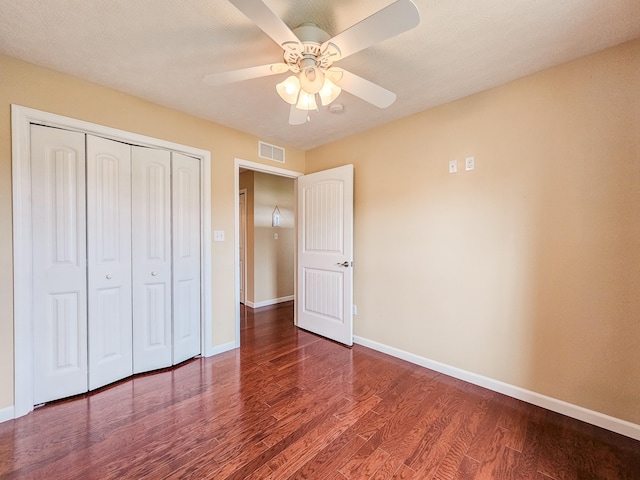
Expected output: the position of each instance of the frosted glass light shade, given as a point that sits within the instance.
(307, 101)
(329, 92)
(289, 89)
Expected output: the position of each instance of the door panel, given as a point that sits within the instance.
(59, 263)
(151, 248)
(185, 173)
(109, 260)
(325, 253)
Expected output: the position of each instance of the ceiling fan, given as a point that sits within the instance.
(310, 52)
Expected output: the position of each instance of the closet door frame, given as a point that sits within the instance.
(21, 120)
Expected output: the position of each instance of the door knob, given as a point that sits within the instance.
(109, 276)
(153, 274)
(343, 264)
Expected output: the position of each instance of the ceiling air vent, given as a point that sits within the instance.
(270, 152)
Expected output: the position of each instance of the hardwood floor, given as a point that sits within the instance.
(290, 404)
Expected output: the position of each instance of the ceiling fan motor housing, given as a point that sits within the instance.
(312, 38)
(306, 57)
(310, 33)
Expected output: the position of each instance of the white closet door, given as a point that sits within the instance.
(151, 248)
(59, 263)
(109, 260)
(186, 257)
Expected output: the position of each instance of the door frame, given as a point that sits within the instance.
(242, 222)
(21, 119)
(257, 167)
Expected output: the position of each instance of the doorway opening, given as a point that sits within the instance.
(271, 240)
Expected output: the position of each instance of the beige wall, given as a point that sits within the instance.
(273, 268)
(270, 261)
(526, 270)
(39, 88)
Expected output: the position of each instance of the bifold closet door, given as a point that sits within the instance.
(185, 174)
(59, 263)
(116, 260)
(151, 247)
(109, 261)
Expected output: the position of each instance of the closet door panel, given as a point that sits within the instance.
(109, 260)
(59, 263)
(151, 247)
(186, 256)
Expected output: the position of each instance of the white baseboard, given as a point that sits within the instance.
(225, 347)
(273, 301)
(7, 413)
(580, 413)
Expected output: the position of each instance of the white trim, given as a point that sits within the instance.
(580, 413)
(261, 167)
(21, 118)
(206, 325)
(258, 167)
(6, 414)
(273, 301)
(22, 269)
(225, 347)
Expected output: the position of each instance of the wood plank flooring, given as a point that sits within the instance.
(289, 404)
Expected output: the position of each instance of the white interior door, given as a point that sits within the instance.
(325, 253)
(109, 261)
(185, 175)
(151, 258)
(59, 263)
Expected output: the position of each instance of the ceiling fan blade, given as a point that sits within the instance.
(245, 74)
(362, 88)
(297, 116)
(267, 20)
(400, 16)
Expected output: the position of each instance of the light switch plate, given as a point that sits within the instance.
(218, 235)
(453, 166)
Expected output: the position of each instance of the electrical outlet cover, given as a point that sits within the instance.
(470, 163)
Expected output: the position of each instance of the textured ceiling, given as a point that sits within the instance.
(159, 50)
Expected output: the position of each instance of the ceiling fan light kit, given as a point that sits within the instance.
(307, 101)
(292, 92)
(289, 89)
(309, 54)
(329, 92)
